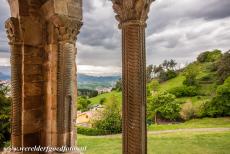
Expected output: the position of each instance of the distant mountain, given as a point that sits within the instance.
(4, 73)
(84, 81)
(4, 76)
(93, 82)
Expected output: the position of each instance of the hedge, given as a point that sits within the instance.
(91, 131)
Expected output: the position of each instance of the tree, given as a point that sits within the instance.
(223, 67)
(190, 74)
(149, 71)
(219, 105)
(157, 69)
(166, 64)
(83, 103)
(203, 57)
(172, 64)
(165, 105)
(209, 56)
(110, 118)
(5, 104)
(154, 85)
(118, 85)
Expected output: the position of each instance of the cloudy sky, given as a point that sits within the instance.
(177, 30)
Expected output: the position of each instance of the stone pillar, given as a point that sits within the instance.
(13, 34)
(42, 36)
(64, 19)
(132, 15)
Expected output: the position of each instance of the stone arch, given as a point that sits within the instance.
(42, 36)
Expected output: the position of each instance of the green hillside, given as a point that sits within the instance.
(96, 100)
(206, 88)
(200, 89)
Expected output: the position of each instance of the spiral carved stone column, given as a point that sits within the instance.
(134, 93)
(132, 15)
(12, 27)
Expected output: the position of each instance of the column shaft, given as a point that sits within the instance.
(134, 93)
(16, 91)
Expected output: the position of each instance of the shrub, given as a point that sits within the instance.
(206, 78)
(165, 105)
(223, 67)
(187, 111)
(184, 91)
(167, 75)
(102, 100)
(190, 74)
(219, 105)
(91, 131)
(153, 86)
(209, 56)
(110, 118)
(4, 116)
(83, 103)
(203, 57)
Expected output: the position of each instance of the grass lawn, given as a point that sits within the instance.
(179, 143)
(195, 123)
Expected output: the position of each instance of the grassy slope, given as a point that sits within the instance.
(175, 82)
(206, 89)
(96, 100)
(179, 143)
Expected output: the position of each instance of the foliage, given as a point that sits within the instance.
(191, 73)
(152, 86)
(167, 75)
(4, 116)
(118, 85)
(102, 100)
(166, 105)
(91, 131)
(209, 56)
(149, 72)
(219, 105)
(184, 91)
(169, 65)
(83, 103)
(187, 111)
(223, 122)
(223, 67)
(110, 119)
(87, 93)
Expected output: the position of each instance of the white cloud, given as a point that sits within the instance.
(99, 70)
(4, 62)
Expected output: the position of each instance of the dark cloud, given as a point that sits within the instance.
(178, 30)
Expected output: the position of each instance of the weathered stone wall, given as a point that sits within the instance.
(42, 35)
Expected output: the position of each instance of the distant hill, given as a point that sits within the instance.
(93, 82)
(4, 76)
(4, 73)
(84, 81)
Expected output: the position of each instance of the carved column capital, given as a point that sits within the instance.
(131, 11)
(66, 28)
(13, 30)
